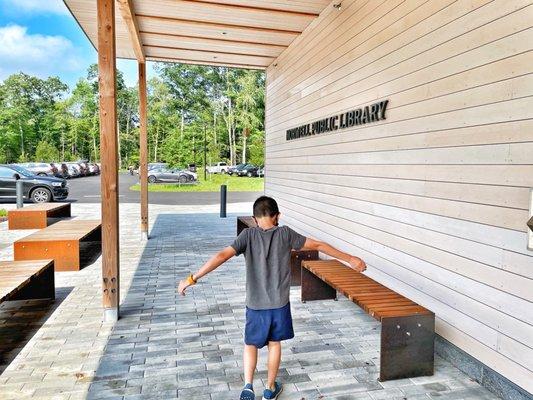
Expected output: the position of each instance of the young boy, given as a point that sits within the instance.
(267, 249)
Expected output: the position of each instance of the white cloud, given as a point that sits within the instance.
(35, 54)
(34, 6)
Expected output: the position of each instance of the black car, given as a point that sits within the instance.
(248, 170)
(40, 189)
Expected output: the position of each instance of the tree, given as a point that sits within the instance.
(46, 152)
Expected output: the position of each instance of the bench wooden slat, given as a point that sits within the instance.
(362, 289)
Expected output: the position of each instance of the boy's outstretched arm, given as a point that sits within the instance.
(213, 263)
(355, 262)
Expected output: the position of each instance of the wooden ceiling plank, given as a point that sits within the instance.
(214, 40)
(217, 45)
(208, 56)
(218, 24)
(217, 13)
(279, 11)
(128, 16)
(203, 62)
(309, 6)
(213, 51)
(211, 30)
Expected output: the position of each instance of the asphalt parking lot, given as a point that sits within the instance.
(87, 190)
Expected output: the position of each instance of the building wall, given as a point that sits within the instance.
(435, 197)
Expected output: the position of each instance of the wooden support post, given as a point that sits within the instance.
(108, 157)
(143, 139)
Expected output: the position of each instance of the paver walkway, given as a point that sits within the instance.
(167, 347)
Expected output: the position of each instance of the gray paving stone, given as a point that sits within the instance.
(166, 346)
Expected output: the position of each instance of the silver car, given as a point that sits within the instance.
(164, 174)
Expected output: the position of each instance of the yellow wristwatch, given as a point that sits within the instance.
(191, 280)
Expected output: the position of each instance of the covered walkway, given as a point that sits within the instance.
(166, 347)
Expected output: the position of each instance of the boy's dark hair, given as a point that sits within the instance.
(265, 206)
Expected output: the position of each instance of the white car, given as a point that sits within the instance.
(219, 168)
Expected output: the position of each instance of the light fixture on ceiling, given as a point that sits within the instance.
(224, 33)
(338, 6)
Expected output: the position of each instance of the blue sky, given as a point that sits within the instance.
(40, 37)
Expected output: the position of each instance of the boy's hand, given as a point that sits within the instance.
(357, 264)
(182, 286)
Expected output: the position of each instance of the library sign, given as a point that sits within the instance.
(360, 116)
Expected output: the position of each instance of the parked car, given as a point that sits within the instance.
(248, 170)
(62, 170)
(84, 168)
(164, 174)
(74, 169)
(218, 168)
(94, 169)
(40, 189)
(191, 168)
(157, 165)
(234, 168)
(261, 171)
(40, 169)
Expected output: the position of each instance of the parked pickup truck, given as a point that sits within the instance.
(218, 168)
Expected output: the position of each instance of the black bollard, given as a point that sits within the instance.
(20, 193)
(223, 193)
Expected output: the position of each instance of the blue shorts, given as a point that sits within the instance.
(263, 326)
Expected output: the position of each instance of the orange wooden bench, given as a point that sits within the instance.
(23, 280)
(60, 241)
(407, 328)
(36, 216)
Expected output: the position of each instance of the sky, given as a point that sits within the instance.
(41, 38)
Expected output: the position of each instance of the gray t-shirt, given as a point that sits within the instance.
(268, 272)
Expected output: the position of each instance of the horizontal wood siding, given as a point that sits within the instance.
(435, 197)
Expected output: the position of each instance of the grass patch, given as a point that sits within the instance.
(3, 212)
(212, 184)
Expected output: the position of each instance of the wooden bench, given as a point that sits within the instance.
(61, 242)
(36, 216)
(244, 222)
(24, 280)
(407, 329)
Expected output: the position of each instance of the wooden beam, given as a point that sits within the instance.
(211, 52)
(143, 150)
(128, 15)
(108, 157)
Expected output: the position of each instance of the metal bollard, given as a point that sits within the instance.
(223, 197)
(20, 193)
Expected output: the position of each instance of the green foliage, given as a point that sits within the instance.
(46, 152)
(192, 111)
(3, 212)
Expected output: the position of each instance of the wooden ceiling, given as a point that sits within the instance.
(236, 33)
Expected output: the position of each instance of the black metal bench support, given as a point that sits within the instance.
(41, 286)
(407, 347)
(314, 288)
(296, 264)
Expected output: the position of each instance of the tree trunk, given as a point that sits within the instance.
(244, 148)
(156, 140)
(215, 127)
(182, 125)
(21, 141)
(118, 143)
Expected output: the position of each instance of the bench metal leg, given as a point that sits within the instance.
(314, 288)
(407, 346)
(296, 264)
(40, 287)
